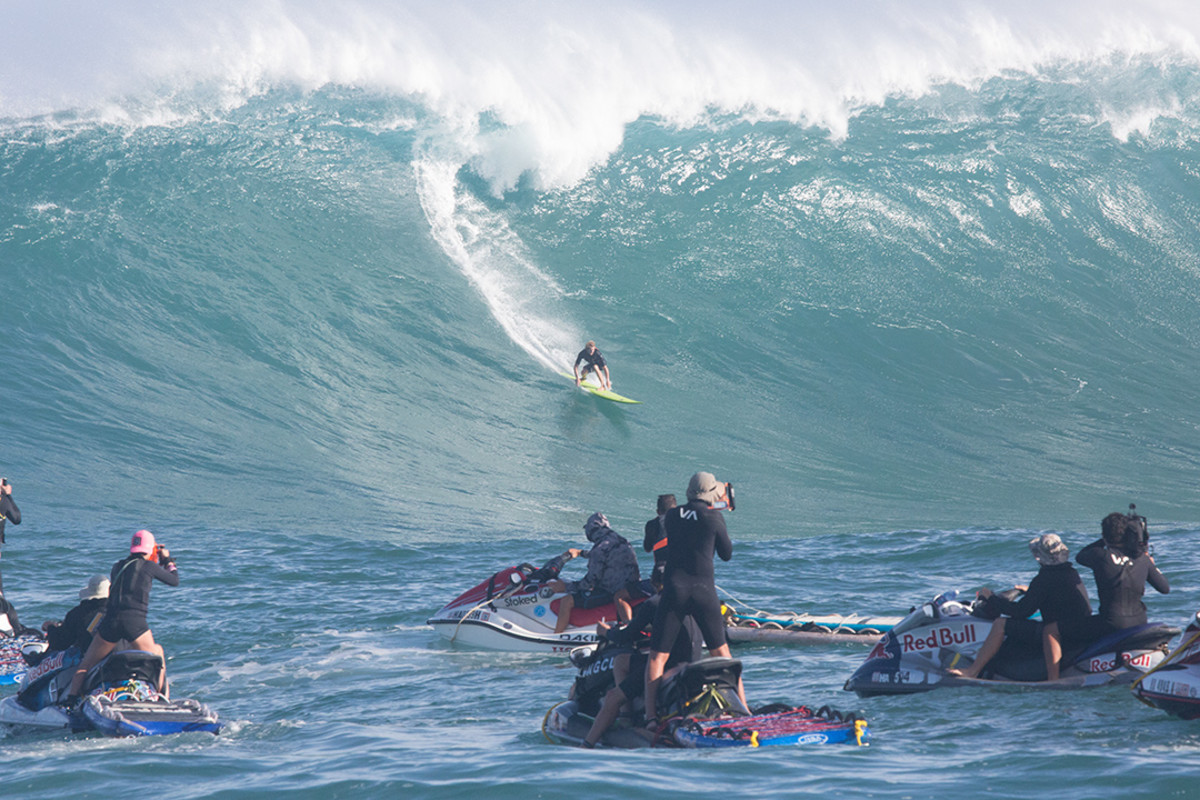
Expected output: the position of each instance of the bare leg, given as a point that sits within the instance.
(96, 651)
(624, 610)
(564, 613)
(146, 642)
(1051, 649)
(654, 672)
(613, 701)
(991, 645)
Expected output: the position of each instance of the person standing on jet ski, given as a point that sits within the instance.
(696, 530)
(128, 604)
(592, 361)
(1056, 591)
(612, 574)
(655, 540)
(1121, 565)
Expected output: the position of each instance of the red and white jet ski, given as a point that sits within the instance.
(515, 610)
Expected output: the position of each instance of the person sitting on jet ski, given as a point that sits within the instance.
(612, 576)
(77, 627)
(629, 669)
(1056, 591)
(1121, 564)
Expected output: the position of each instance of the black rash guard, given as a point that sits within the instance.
(689, 587)
(129, 596)
(1056, 591)
(655, 541)
(593, 359)
(1120, 583)
(77, 626)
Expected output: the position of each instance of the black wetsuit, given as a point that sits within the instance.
(1120, 584)
(1058, 592)
(77, 626)
(594, 360)
(655, 541)
(8, 513)
(129, 596)
(689, 586)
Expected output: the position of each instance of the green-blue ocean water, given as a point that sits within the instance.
(290, 284)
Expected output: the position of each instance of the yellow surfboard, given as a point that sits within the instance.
(592, 388)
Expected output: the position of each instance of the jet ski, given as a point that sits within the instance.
(1174, 685)
(947, 632)
(515, 610)
(120, 698)
(15, 652)
(702, 710)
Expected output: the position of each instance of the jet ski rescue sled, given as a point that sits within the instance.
(514, 610)
(702, 711)
(13, 650)
(745, 624)
(946, 633)
(1174, 685)
(120, 698)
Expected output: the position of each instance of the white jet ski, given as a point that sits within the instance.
(514, 610)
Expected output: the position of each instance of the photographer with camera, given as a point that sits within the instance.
(128, 604)
(695, 531)
(1121, 565)
(8, 513)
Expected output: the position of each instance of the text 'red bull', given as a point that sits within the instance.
(938, 637)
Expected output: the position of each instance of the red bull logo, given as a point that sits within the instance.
(938, 637)
(45, 667)
(1108, 662)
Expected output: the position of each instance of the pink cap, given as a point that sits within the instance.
(143, 542)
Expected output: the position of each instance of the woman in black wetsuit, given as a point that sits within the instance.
(128, 603)
(695, 531)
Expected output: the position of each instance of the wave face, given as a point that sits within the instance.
(273, 249)
(290, 284)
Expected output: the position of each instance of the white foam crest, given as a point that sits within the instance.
(545, 90)
(521, 298)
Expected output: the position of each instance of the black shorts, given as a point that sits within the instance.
(634, 684)
(1024, 631)
(124, 625)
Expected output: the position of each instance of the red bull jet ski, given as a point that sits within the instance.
(120, 698)
(947, 633)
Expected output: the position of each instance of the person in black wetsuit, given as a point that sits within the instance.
(655, 540)
(77, 627)
(8, 513)
(592, 361)
(629, 669)
(695, 530)
(1122, 566)
(128, 603)
(1057, 591)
